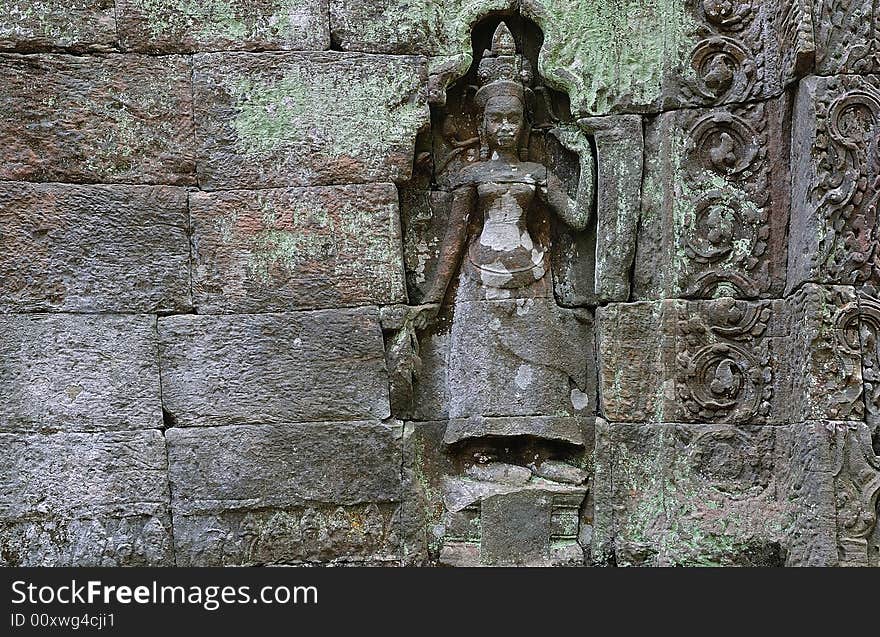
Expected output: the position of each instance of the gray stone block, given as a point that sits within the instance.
(295, 249)
(77, 499)
(273, 368)
(93, 248)
(78, 373)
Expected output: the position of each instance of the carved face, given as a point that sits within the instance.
(503, 122)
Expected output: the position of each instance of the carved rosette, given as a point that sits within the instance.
(727, 63)
(856, 472)
(726, 219)
(847, 189)
(734, 461)
(724, 365)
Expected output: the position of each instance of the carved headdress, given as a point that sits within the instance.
(502, 70)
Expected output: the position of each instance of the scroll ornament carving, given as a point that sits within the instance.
(724, 375)
(856, 473)
(725, 66)
(865, 327)
(728, 227)
(847, 189)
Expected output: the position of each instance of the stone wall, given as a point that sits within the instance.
(222, 224)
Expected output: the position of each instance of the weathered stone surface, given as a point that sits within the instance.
(620, 152)
(428, 27)
(638, 56)
(499, 472)
(823, 355)
(93, 248)
(608, 57)
(565, 429)
(834, 478)
(836, 182)
(76, 499)
(279, 250)
(633, 56)
(114, 119)
(273, 368)
(516, 528)
(424, 466)
(218, 25)
(285, 493)
(290, 464)
(498, 524)
(797, 39)
(698, 361)
(714, 204)
(847, 36)
(278, 120)
(78, 373)
(560, 472)
(520, 357)
(869, 333)
(29, 25)
(425, 219)
(692, 495)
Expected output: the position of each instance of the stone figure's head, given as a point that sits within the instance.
(504, 76)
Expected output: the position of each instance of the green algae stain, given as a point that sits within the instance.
(677, 518)
(325, 112)
(609, 54)
(234, 20)
(298, 234)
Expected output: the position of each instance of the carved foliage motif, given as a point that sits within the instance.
(285, 536)
(847, 189)
(869, 338)
(847, 36)
(856, 473)
(724, 368)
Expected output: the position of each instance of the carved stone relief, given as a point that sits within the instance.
(440, 282)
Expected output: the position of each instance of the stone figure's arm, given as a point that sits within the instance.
(463, 200)
(574, 212)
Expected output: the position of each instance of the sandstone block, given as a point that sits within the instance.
(114, 119)
(78, 373)
(79, 499)
(79, 25)
(691, 495)
(281, 250)
(273, 368)
(163, 26)
(293, 119)
(93, 248)
(285, 493)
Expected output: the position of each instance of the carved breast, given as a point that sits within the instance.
(505, 255)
